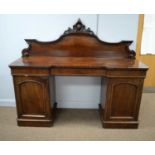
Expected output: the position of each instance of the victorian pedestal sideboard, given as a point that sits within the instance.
(78, 52)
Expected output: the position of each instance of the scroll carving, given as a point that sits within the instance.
(25, 52)
(132, 54)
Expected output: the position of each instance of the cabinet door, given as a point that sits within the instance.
(123, 100)
(32, 97)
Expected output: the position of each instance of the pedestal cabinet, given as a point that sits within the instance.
(121, 103)
(33, 100)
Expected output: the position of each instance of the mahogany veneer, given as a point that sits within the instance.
(78, 52)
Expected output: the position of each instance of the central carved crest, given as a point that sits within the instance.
(79, 27)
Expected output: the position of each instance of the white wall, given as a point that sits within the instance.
(72, 92)
(114, 28)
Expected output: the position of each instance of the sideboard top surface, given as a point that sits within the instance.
(78, 62)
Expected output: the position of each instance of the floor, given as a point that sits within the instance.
(80, 125)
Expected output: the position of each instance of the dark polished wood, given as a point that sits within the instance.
(78, 52)
(79, 42)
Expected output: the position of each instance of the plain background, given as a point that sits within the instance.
(71, 92)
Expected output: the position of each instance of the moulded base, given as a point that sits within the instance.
(116, 124)
(34, 122)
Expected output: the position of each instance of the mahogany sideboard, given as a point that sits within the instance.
(78, 52)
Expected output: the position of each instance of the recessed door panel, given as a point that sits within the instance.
(123, 100)
(32, 97)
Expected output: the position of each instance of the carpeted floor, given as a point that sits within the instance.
(80, 125)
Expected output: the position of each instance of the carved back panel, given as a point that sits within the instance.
(79, 41)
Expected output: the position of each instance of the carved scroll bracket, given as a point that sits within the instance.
(132, 54)
(25, 52)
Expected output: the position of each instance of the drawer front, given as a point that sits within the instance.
(78, 71)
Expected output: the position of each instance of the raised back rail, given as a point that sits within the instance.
(79, 41)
